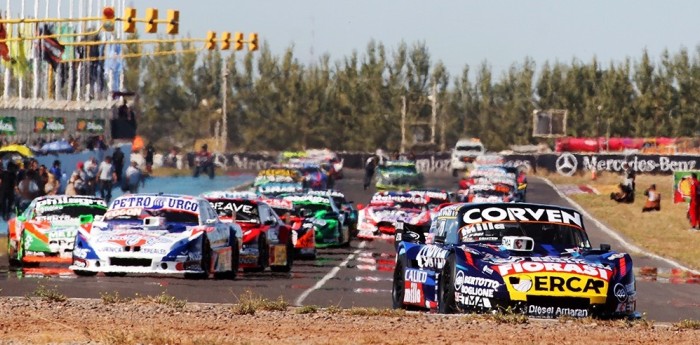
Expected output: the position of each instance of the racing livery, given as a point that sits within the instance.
(322, 214)
(278, 180)
(303, 233)
(395, 175)
(45, 231)
(267, 240)
(379, 217)
(158, 233)
(534, 259)
(346, 206)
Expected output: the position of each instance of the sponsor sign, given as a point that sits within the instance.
(523, 214)
(416, 276)
(46, 124)
(234, 207)
(473, 301)
(568, 164)
(90, 125)
(431, 257)
(542, 267)
(551, 312)
(681, 185)
(155, 202)
(400, 198)
(313, 199)
(413, 293)
(8, 125)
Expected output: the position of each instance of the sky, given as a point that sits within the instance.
(459, 33)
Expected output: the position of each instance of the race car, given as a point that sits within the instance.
(322, 214)
(521, 178)
(267, 240)
(45, 231)
(529, 258)
(303, 232)
(160, 234)
(273, 189)
(490, 192)
(314, 177)
(346, 206)
(398, 175)
(378, 218)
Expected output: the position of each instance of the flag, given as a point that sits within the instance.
(65, 30)
(4, 49)
(114, 64)
(16, 52)
(50, 49)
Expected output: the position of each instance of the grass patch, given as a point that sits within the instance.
(376, 312)
(249, 303)
(163, 299)
(307, 309)
(507, 316)
(665, 232)
(334, 309)
(688, 324)
(49, 294)
(113, 298)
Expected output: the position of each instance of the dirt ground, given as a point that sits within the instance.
(42, 320)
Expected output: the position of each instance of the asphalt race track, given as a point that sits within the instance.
(359, 275)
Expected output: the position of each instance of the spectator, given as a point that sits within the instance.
(8, 180)
(90, 169)
(624, 195)
(123, 111)
(150, 151)
(42, 177)
(653, 202)
(52, 185)
(107, 177)
(27, 190)
(694, 206)
(72, 188)
(118, 159)
(56, 170)
(629, 176)
(370, 166)
(133, 178)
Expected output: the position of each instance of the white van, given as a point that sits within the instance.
(464, 153)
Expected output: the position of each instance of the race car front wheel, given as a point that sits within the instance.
(446, 287)
(263, 255)
(398, 289)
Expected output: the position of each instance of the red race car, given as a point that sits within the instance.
(267, 240)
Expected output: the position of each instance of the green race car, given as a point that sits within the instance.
(323, 215)
(398, 175)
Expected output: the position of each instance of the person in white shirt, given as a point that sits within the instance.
(106, 177)
(133, 177)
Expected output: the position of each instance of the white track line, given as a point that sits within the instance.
(329, 275)
(610, 232)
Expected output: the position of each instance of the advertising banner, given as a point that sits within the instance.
(90, 125)
(8, 125)
(46, 124)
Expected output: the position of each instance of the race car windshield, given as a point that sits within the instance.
(555, 235)
(409, 169)
(468, 148)
(246, 211)
(136, 214)
(311, 207)
(72, 211)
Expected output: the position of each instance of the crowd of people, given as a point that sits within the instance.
(23, 181)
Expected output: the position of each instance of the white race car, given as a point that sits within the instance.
(156, 233)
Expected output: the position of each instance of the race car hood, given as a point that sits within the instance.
(391, 214)
(125, 239)
(251, 230)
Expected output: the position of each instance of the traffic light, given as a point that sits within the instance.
(151, 20)
(253, 41)
(225, 40)
(211, 40)
(108, 19)
(173, 22)
(130, 20)
(238, 36)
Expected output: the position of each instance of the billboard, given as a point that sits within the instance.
(681, 185)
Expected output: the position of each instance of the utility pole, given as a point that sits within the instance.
(403, 124)
(433, 119)
(224, 129)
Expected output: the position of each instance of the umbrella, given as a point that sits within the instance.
(22, 150)
(58, 146)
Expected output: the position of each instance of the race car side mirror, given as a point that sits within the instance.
(360, 206)
(605, 247)
(86, 218)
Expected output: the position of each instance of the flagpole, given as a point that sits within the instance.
(45, 66)
(24, 45)
(35, 58)
(8, 70)
(88, 76)
(121, 36)
(59, 70)
(69, 92)
(79, 82)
